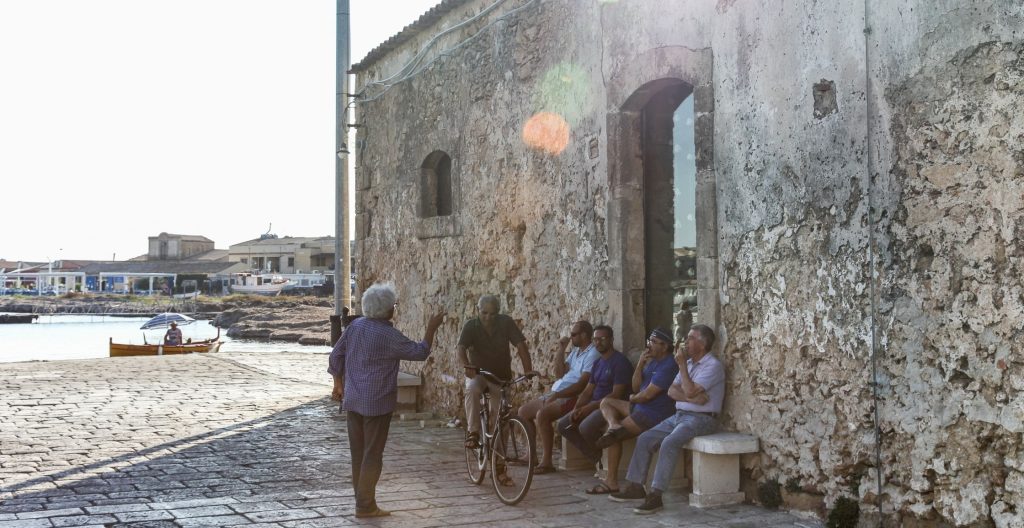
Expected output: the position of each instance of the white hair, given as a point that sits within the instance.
(379, 300)
(488, 299)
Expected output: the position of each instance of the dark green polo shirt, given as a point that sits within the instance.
(491, 351)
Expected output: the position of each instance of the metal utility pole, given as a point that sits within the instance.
(342, 293)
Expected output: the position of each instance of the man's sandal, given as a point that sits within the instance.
(503, 478)
(541, 470)
(612, 436)
(601, 489)
(376, 512)
(473, 440)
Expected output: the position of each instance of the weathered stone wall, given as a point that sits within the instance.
(951, 200)
(531, 224)
(814, 124)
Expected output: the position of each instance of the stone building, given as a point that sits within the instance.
(285, 254)
(169, 246)
(838, 186)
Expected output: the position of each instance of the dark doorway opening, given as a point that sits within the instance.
(669, 197)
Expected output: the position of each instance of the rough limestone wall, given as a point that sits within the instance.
(790, 158)
(792, 167)
(953, 300)
(532, 222)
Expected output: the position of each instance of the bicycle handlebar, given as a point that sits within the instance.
(491, 377)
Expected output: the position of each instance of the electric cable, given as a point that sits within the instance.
(872, 266)
(420, 68)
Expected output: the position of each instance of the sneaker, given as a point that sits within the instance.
(632, 492)
(651, 505)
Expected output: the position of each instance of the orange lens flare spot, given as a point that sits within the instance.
(546, 131)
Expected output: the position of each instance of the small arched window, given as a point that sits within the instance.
(436, 185)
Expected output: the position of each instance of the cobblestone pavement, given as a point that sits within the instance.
(251, 439)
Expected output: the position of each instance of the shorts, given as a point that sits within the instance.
(645, 419)
(565, 405)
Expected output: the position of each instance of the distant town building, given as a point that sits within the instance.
(169, 246)
(270, 253)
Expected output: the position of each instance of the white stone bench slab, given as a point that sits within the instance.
(408, 392)
(716, 467)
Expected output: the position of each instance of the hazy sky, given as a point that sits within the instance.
(121, 119)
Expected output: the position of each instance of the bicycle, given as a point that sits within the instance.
(509, 448)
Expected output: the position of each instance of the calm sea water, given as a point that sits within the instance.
(88, 336)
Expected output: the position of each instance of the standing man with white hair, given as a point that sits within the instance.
(366, 359)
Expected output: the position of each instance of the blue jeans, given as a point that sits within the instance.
(668, 437)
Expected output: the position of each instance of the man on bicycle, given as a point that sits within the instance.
(574, 374)
(484, 344)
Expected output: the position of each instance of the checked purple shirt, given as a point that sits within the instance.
(368, 354)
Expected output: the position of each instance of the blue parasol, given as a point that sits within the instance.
(165, 319)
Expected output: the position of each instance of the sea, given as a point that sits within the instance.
(53, 337)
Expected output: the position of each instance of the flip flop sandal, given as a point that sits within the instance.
(541, 470)
(601, 489)
(473, 441)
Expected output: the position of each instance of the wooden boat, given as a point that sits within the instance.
(17, 318)
(206, 345)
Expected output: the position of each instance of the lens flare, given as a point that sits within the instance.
(546, 131)
(564, 89)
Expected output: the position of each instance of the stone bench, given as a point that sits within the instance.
(408, 392)
(716, 467)
(715, 470)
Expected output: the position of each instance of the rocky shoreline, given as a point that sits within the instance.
(303, 320)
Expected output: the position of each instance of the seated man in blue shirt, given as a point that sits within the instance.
(610, 378)
(574, 372)
(698, 391)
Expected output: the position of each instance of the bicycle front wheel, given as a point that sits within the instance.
(512, 461)
(476, 459)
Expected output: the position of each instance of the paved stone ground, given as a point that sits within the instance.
(251, 439)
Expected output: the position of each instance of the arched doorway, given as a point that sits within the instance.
(662, 225)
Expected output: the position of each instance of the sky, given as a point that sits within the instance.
(122, 119)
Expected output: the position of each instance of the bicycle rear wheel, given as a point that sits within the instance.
(512, 461)
(476, 458)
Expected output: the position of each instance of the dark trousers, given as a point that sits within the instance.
(366, 438)
(584, 434)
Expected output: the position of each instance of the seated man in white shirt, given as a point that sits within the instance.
(574, 372)
(698, 390)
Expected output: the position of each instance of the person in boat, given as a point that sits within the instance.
(573, 371)
(366, 359)
(173, 335)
